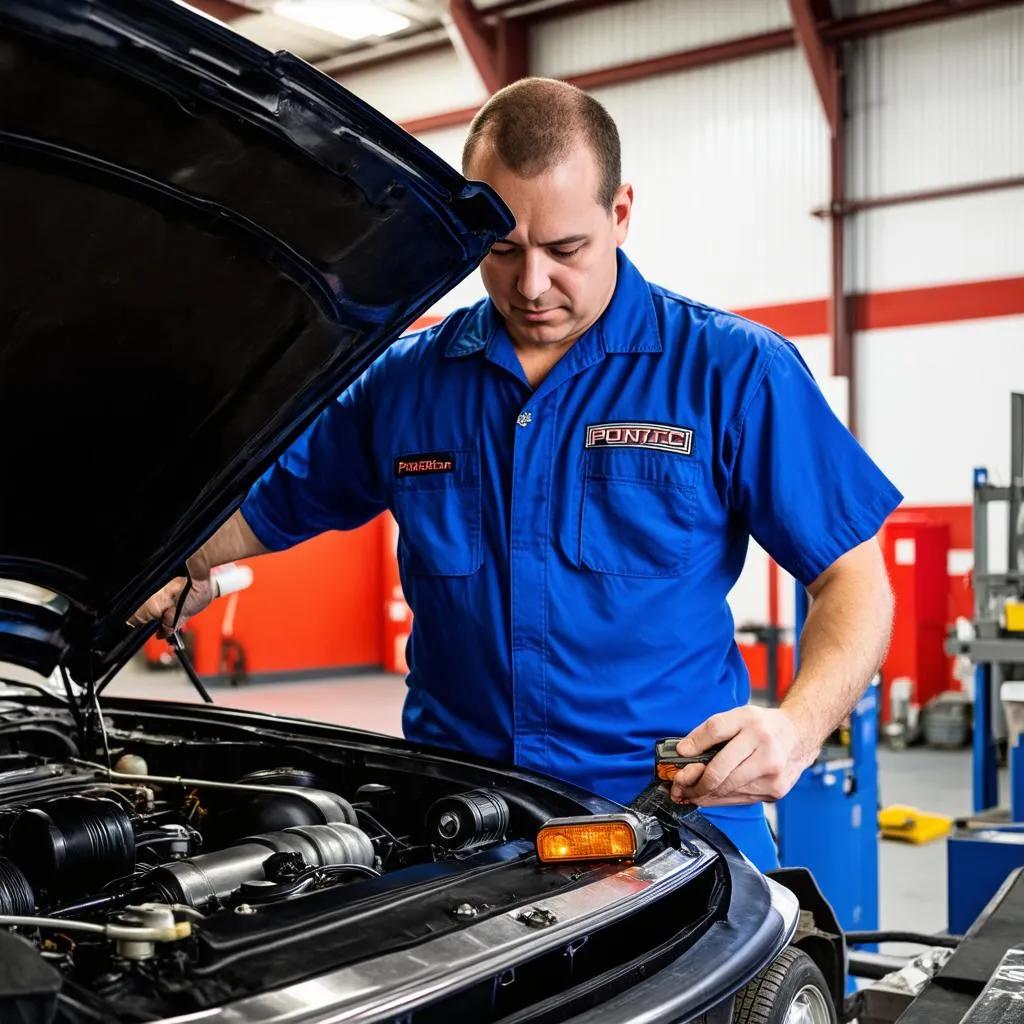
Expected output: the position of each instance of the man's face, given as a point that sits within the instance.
(553, 276)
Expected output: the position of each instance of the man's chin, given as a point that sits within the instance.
(548, 333)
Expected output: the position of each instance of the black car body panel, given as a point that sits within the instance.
(202, 244)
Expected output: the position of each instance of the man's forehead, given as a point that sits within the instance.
(576, 161)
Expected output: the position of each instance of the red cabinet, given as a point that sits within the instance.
(917, 556)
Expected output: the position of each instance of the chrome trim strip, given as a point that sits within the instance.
(393, 984)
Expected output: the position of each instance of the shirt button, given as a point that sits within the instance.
(524, 419)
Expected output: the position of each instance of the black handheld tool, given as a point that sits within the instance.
(667, 761)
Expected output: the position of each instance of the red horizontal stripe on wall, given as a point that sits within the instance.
(792, 319)
(939, 305)
(908, 307)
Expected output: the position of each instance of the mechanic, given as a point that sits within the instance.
(576, 465)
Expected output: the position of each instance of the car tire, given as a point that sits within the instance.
(791, 990)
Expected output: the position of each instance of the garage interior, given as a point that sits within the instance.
(849, 173)
(860, 169)
(865, 162)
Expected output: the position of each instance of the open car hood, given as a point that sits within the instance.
(202, 244)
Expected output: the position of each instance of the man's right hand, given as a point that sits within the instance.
(163, 604)
(233, 541)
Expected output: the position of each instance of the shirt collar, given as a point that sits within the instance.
(629, 323)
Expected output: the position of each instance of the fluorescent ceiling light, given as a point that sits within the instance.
(346, 18)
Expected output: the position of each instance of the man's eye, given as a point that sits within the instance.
(501, 252)
(564, 254)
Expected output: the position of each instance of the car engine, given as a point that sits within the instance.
(155, 891)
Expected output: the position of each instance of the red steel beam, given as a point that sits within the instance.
(478, 38)
(513, 44)
(849, 206)
(820, 58)
(500, 52)
(446, 119)
(569, 8)
(223, 10)
(831, 32)
(822, 10)
(558, 10)
(832, 29)
(703, 56)
(685, 60)
(841, 327)
(846, 29)
(825, 61)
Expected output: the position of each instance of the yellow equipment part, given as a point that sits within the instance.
(909, 825)
(1014, 611)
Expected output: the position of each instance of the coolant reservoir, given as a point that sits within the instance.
(131, 764)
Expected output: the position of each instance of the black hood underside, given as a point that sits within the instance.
(202, 244)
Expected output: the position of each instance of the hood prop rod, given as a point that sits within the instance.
(179, 648)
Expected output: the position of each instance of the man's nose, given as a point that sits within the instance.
(534, 279)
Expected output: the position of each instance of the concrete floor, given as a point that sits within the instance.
(912, 878)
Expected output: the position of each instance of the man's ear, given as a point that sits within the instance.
(622, 210)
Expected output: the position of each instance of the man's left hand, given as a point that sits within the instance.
(764, 754)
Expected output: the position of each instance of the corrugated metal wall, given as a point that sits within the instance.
(646, 28)
(932, 107)
(729, 161)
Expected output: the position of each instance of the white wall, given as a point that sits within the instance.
(932, 107)
(729, 161)
(938, 398)
(428, 83)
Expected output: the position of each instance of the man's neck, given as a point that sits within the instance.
(538, 361)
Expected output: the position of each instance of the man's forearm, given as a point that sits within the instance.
(234, 540)
(842, 644)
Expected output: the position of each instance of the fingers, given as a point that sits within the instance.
(715, 777)
(685, 779)
(167, 623)
(717, 729)
(752, 782)
(762, 757)
(157, 606)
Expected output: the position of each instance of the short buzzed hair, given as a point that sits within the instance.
(534, 124)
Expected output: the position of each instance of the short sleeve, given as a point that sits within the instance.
(327, 479)
(806, 488)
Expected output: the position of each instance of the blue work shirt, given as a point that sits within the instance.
(567, 550)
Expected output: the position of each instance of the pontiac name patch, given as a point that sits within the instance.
(641, 435)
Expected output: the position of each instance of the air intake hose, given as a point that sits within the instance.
(212, 877)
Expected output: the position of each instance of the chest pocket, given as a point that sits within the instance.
(638, 512)
(438, 512)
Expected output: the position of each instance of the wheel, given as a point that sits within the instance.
(789, 991)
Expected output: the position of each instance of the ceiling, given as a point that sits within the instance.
(336, 35)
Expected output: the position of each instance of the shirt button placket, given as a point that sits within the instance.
(527, 586)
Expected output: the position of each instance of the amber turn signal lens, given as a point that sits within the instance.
(566, 840)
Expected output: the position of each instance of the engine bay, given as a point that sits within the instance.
(210, 862)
